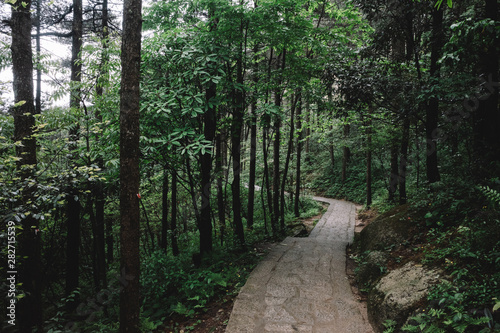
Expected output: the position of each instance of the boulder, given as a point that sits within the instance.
(399, 293)
(373, 267)
(388, 229)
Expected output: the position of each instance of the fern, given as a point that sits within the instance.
(492, 195)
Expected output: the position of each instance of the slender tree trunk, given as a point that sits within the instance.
(103, 81)
(346, 155)
(287, 161)
(394, 176)
(432, 114)
(276, 172)
(404, 160)
(307, 130)
(129, 166)
(221, 208)
(38, 96)
(299, 156)
(253, 158)
(173, 223)
(267, 182)
(369, 161)
(276, 149)
(236, 154)
(206, 175)
(29, 308)
(99, 235)
(164, 211)
(73, 205)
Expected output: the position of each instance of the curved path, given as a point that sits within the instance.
(301, 285)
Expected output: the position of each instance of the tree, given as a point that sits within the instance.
(73, 205)
(129, 165)
(432, 112)
(30, 306)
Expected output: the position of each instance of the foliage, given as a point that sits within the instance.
(450, 311)
(172, 284)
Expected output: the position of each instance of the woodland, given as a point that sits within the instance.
(195, 130)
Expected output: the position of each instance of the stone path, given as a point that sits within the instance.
(301, 285)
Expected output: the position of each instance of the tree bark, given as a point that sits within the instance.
(299, 156)
(73, 204)
(129, 166)
(394, 176)
(206, 174)
(346, 154)
(405, 138)
(432, 114)
(369, 161)
(253, 157)
(29, 241)
(38, 96)
(164, 211)
(173, 223)
(487, 117)
(221, 207)
(236, 153)
(287, 161)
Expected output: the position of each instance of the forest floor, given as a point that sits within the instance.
(216, 314)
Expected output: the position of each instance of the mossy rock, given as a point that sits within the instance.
(389, 229)
(400, 293)
(373, 267)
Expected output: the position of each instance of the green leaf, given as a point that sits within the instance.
(20, 103)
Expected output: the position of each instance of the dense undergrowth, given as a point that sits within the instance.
(455, 229)
(177, 287)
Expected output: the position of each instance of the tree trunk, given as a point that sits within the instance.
(73, 205)
(221, 208)
(432, 114)
(404, 160)
(267, 181)
(38, 96)
(299, 156)
(369, 161)
(103, 81)
(173, 223)
(253, 158)
(236, 153)
(346, 154)
(276, 149)
(287, 161)
(129, 166)
(164, 211)
(394, 176)
(29, 314)
(487, 116)
(99, 235)
(206, 174)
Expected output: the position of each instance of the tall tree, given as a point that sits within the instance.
(299, 157)
(236, 128)
(432, 114)
(209, 126)
(487, 116)
(30, 306)
(129, 165)
(73, 205)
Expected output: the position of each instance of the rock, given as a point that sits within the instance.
(372, 268)
(399, 293)
(386, 230)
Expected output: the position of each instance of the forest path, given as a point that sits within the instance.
(301, 285)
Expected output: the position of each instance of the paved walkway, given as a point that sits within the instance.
(301, 285)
